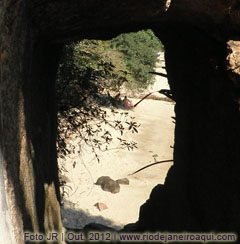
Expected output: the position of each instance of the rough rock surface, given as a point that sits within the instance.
(123, 181)
(101, 206)
(201, 41)
(108, 184)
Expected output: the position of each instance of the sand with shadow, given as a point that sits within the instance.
(155, 140)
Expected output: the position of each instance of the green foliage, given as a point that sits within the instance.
(88, 71)
(107, 65)
(83, 81)
(85, 65)
(139, 51)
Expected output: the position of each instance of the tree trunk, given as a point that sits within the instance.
(201, 191)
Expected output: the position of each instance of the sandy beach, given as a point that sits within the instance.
(154, 141)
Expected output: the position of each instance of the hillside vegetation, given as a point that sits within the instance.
(139, 56)
(108, 65)
(89, 72)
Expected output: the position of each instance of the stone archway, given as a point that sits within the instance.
(201, 191)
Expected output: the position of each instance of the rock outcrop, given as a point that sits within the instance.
(201, 39)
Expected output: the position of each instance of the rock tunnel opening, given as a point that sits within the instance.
(83, 83)
(200, 84)
(201, 191)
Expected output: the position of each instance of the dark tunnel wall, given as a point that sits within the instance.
(201, 191)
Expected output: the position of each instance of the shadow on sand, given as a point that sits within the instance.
(77, 219)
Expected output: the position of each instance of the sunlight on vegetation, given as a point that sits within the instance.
(139, 54)
(90, 74)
